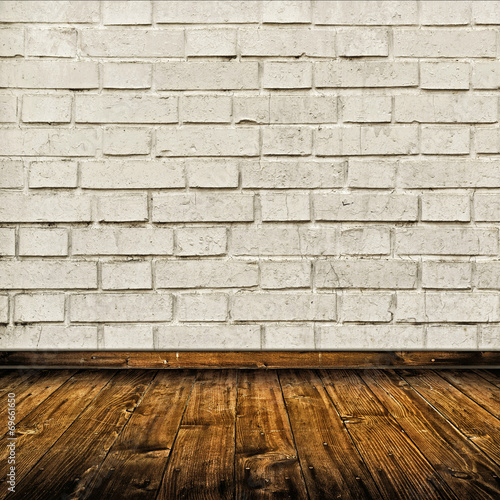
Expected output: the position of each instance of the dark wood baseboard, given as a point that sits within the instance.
(247, 359)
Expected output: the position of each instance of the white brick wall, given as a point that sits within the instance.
(249, 175)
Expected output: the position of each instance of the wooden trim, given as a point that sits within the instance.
(249, 359)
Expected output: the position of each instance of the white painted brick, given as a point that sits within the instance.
(285, 206)
(53, 42)
(211, 42)
(251, 109)
(43, 241)
(212, 173)
(293, 141)
(487, 140)
(487, 207)
(286, 12)
(445, 12)
(445, 207)
(368, 307)
(452, 337)
(11, 42)
(358, 42)
(486, 75)
(7, 241)
(126, 75)
(53, 174)
(446, 240)
(488, 275)
(288, 338)
(118, 307)
(135, 337)
(206, 274)
(256, 306)
(462, 307)
(283, 239)
(206, 109)
(411, 42)
(203, 207)
(48, 274)
(485, 12)
(8, 108)
(191, 241)
(352, 273)
(372, 173)
(126, 12)
(122, 208)
(437, 140)
(4, 309)
(47, 108)
(489, 338)
(285, 274)
(51, 12)
(410, 307)
(209, 337)
(126, 141)
(202, 307)
(366, 108)
(368, 240)
(34, 308)
(287, 75)
(303, 109)
(131, 275)
(446, 274)
(123, 241)
(444, 75)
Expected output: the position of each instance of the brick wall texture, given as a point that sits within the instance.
(250, 175)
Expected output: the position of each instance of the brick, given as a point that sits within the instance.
(443, 42)
(286, 12)
(197, 140)
(283, 239)
(285, 274)
(7, 241)
(372, 173)
(212, 173)
(303, 109)
(444, 207)
(51, 12)
(50, 274)
(251, 109)
(349, 74)
(410, 307)
(462, 307)
(131, 174)
(486, 207)
(206, 274)
(485, 12)
(489, 336)
(199, 12)
(49, 142)
(54, 42)
(285, 206)
(446, 108)
(145, 43)
(288, 338)
(188, 75)
(211, 42)
(8, 109)
(191, 241)
(47, 108)
(292, 174)
(122, 141)
(206, 109)
(126, 12)
(447, 12)
(203, 207)
(368, 240)
(34, 308)
(442, 240)
(19, 207)
(135, 337)
(437, 140)
(351, 273)
(122, 208)
(486, 75)
(487, 140)
(53, 174)
(129, 275)
(118, 307)
(289, 141)
(4, 309)
(444, 75)
(365, 207)
(126, 75)
(255, 306)
(366, 108)
(367, 306)
(49, 74)
(446, 274)
(286, 43)
(210, 337)
(43, 241)
(370, 337)
(11, 42)
(123, 241)
(202, 307)
(360, 42)
(287, 75)
(452, 337)
(488, 274)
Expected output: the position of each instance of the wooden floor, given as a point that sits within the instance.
(226, 434)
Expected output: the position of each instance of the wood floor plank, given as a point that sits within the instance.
(78, 453)
(266, 462)
(490, 375)
(201, 464)
(331, 464)
(396, 464)
(471, 419)
(10, 379)
(458, 461)
(41, 428)
(135, 463)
